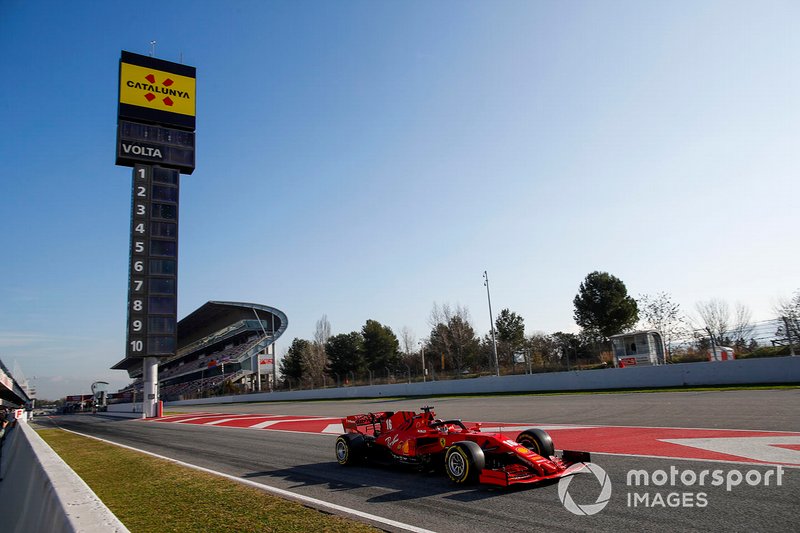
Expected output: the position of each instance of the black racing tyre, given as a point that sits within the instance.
(464, 461)
(350, 449)
(537, 441)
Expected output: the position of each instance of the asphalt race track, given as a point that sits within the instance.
(625, 432)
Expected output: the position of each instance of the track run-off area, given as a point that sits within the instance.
(682, 460)
(758, 447)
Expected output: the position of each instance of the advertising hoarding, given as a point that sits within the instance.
(155, 91)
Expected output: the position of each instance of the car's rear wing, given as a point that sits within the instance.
(369, 423)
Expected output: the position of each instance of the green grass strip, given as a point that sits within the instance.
(152, 495)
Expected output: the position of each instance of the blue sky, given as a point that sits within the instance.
(367, 159)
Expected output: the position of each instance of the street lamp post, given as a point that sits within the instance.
(424, 371)
(491, 323)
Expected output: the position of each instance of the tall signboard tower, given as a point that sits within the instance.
(155, 136)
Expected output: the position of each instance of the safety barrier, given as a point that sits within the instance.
(773, 370)
(41, 493)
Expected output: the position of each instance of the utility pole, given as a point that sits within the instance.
(424, 370)
(491, 323)
(713, 344)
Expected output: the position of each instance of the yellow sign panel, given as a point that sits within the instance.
(156, 89)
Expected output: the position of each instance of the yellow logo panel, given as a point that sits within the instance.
(156, 89)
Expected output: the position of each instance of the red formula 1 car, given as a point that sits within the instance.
(423, 441)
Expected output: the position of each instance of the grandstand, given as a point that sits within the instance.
(218, 348)
(12, 394)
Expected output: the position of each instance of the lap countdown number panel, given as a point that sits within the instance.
(152, 291)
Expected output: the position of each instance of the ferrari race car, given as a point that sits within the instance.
(423, 441)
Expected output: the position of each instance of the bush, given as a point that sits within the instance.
(688, 357)
(766, 351)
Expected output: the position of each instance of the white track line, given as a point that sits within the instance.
(186, 419)
(523, 427)
(766, 449)
(333, 429)
(223, 420)
(313, 502)
(698, 460)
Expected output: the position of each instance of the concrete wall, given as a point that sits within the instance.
(41, 493)
(772, 370)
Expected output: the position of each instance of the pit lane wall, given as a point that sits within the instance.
(41, 493)
(774, 370)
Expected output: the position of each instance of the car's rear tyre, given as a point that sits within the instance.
(537, 441)
(350, 449)
(464, 461)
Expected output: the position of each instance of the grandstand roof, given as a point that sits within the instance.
(208, 318)
(10, 391)
(214, 311)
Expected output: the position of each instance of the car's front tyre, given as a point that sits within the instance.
(537, 441)
(464, 461)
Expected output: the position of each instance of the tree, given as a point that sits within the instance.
(484, 359)
(409, 344)
(742, 331)
(603, 307)
(660, 313)
(322, 331)
(788, 312)
(570, 346)
(453, 336)
(346, 354)
(510, 332)
(315, 360)
(456, 340)
(714, 317)
(408, 340)
(292, 363)
(381, 347)
(440, 341)
(545, 350)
